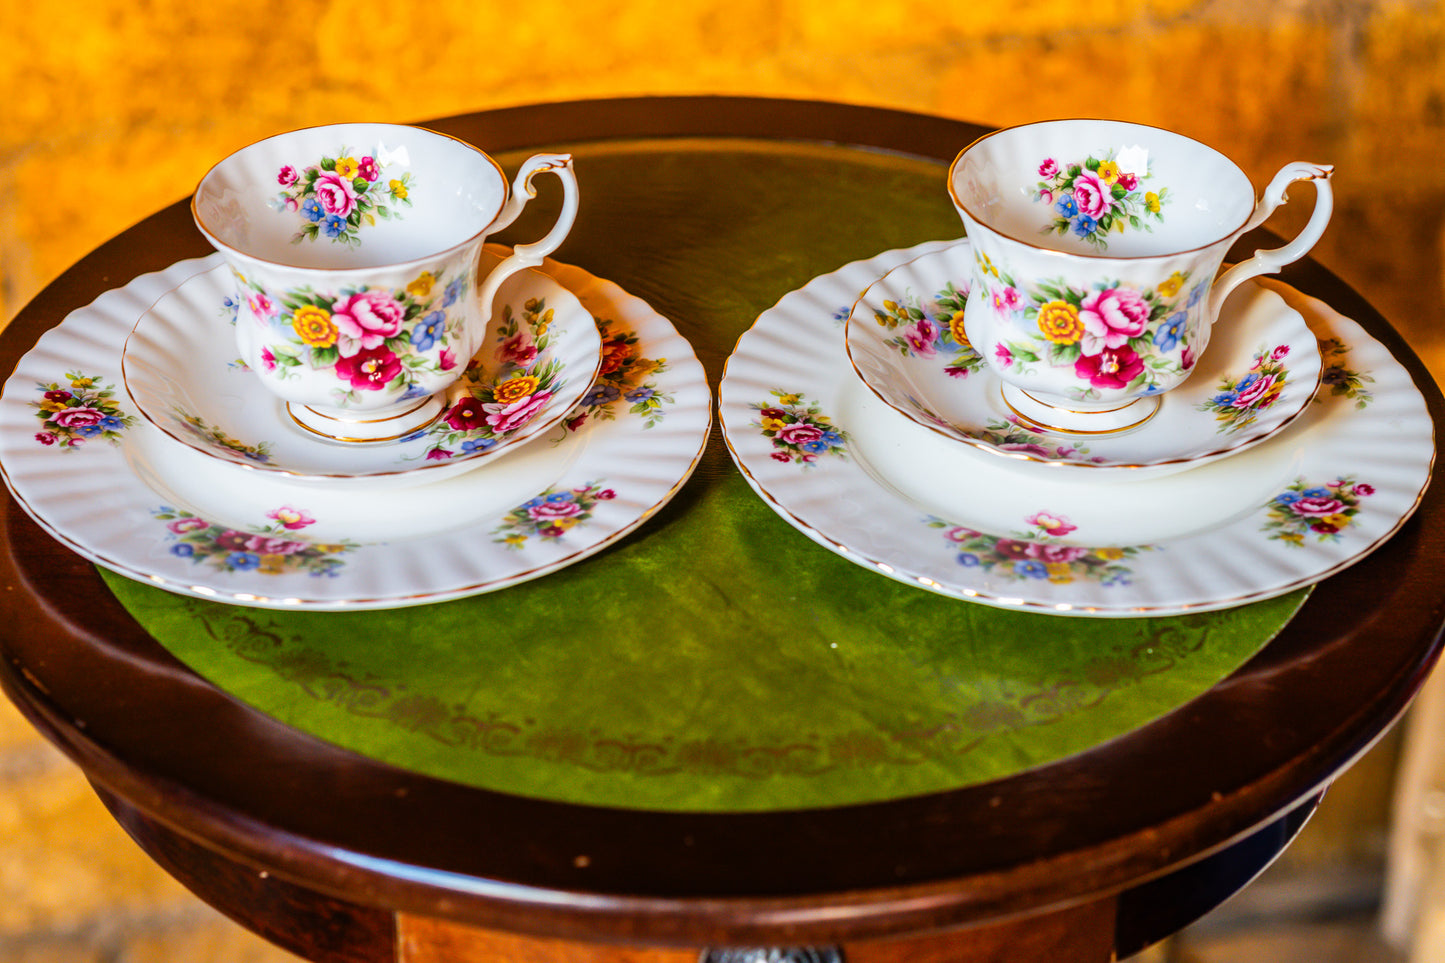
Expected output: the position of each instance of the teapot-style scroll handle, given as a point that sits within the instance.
(531, 255)
(1270, 261)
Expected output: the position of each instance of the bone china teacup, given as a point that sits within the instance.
(1096, 245)
(355, 247)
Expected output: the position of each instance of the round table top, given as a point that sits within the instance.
(149, 730)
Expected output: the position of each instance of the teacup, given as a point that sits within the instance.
(355, 248)
(1096, 245)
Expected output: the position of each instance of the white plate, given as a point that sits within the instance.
(84, 469)
(181, 371)
(1259, 373)
(876, 487)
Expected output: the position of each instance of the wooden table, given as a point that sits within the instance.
(339, 857)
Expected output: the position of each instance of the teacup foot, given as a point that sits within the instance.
(1079, 417)
(353, 427)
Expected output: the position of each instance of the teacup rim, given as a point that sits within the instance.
(219, 244)
(1165, 255)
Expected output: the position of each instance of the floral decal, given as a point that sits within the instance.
(214, 436)
(497, 403)
(269, 549)
(625, 378)
(1099, 195)
(1008, 435)
(1240, 400)
(551, 515)
(337, 196)
(1036, 553)
(1342, 380)
(79, 411)
(1110, 337)
(372, 339)
(1322, 510)
(799, 430)
(930, 329)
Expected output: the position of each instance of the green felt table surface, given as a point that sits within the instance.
(716, 659)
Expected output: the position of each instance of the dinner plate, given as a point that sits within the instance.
(878, 488)
(180, 370)
(905, 339)
(115, 489)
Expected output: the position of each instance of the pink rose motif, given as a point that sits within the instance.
(1046, 195)
(287, 176)
(1056, 553)
(1053, 524)
(547, 511)
(367, 169)
(45, 437)
(182, 525)
(1280, 352)
(504, 418)
(781, 456)
(1111, 318)
(1315, 507)
(291, 205)
(1128, 181)
(82, 417)
(519, 349)
(336, 194)
(1049, 168)
(1092, 195)
(366, 319)
(606, 495)
(268, 545)
(370, 370)
(291, 518)
(1110, 368)
(1251, 395)
(233, 541)
(1364, 489)
(799, 433)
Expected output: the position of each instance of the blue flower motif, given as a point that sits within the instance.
(111, 423)
(558, 497)
(639, 394)
(1084, 225)
(1224, 400)
(183, 549)
(419, 433)
(1197, 293)
(334, 225)
(478, 444)
(1067, 206)
(454, 291)
(968, 560)
(414, 390)
(424, 336)
(1318, 493)
(600, 395)
(832, 438)
(90, 431)
(1288, 498)
(1031, 569)
(816, 446)
(243, 561)
(1166, 339)
(311, 207)
(534, 502)
(1245, 382)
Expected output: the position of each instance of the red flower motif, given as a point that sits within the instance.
(369, 370)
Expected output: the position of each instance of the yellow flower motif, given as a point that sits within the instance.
(347, 167)
(515, 389)
(82, 383)
(1171, 286)
(1108, 172)
(1293, 537)
(515, 539)
(329, 548)
(563, 523)
(531, 306)
(273, 564)
(314, 327)
(955, 328)
(421, 287)
(398, 189)
(1059, 572)
(1059, 321)
(1119, 225)
(772, 424)
(1109, 554)
(545, 322)
(789, 399)
(1338, 521)
(1151, 201)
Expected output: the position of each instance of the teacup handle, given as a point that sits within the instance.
(531, 255)
(1270, 261)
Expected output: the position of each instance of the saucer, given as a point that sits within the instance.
(117, 490)
(865, 481)
(905, 341)
(540, 356)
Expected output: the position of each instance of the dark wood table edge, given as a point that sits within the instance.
(922, 897)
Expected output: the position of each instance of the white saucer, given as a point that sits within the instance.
(905, 340)
(180, 369)
(878, 488)
(118, 491)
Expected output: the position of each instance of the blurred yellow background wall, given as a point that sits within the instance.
(111, 109)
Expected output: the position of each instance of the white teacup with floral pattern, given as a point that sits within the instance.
(1096, 245)
(355, 248)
